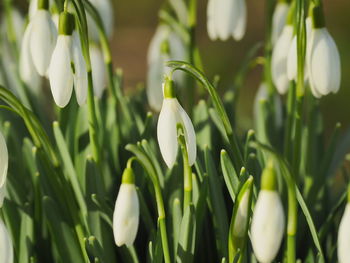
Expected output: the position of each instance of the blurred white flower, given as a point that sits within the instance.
(156, 57)
(105, 9)
(279, 59)
(43, 36)
(279, 20)
(126, 211)
(226, 18)
(344, 237)
(6, 248)
(267, 227)
(170, 115)
(98, 70)
(4, 159)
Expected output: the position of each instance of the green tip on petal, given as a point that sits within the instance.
(128, 176)
(43, 4)
(169, 88)
(66, 24)
(269, 177)
(165, 48)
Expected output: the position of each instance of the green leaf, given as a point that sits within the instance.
(231, 179)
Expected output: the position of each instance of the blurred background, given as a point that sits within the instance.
(136, 20)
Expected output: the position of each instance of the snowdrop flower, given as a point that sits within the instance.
(344, 235)
(323, 61)
(42, 39)
(170, 115)
(268, 219)
(226, 18)
(165, 45)
(98, 70)
(279, 19)
(105, 9)
(68, 65)
(292, 59)
(126, 211)
(4, 159)
(6, 249)
(240, 218)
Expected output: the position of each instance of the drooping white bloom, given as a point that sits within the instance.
(171, 114)
(6, 249)
(279, 59)
(323, 63)
(126, 215)
(226, 18)
(67, 67)
(344, 237)
(43, 36)
(279, 20)
(267, 226)
(4, 159)
(98, 70)
(156, 57)
(105, 9)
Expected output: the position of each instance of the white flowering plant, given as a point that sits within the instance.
(165, 175)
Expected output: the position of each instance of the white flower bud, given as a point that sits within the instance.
(279, 59)
(105, 10)
(267, 227)
(6, 249)
(43, 36)
(171, 114)
(126, 215)
(98, 70)
(4, 159)
(344, 237)
(226, 18)
(279, 20)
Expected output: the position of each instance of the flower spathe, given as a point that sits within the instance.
(279, 20)
(67, 67)
(344, 237)
(226, 18)
(4, 159)
(6, 249)
(279, 59)
(170, 115)
(126, 211)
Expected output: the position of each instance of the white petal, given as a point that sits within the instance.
(42, 40)
(267, 227)
(159, 36)
(211, 20)
(126, 215)
(33, 7)
(344, 237)
(80, 75)
(323, 62)
(292, 60)
(4, 159)
(105, 10)
(224, 18)
(279, 60)
(61, 75)
(279, 20)
(27, 70)
(241, 21)
(190, 136)
(166, 131)
(98, 70)
(6, 248)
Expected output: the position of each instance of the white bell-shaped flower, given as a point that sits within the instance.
(323, 60)
(105, 10)
(126, 211)
(6, 248)
(43, 36)
(279, 20)
(226, 18)
(344, 237)
(98, 70)
(4, 159)
(279, 59)
(170, 115)
(68, 65)
(268, 221)
(164, 46)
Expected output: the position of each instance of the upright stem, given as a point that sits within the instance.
(192, 21)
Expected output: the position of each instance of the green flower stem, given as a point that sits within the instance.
(184, 66)
(292, 221)
(289, 122)
(187, 168)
